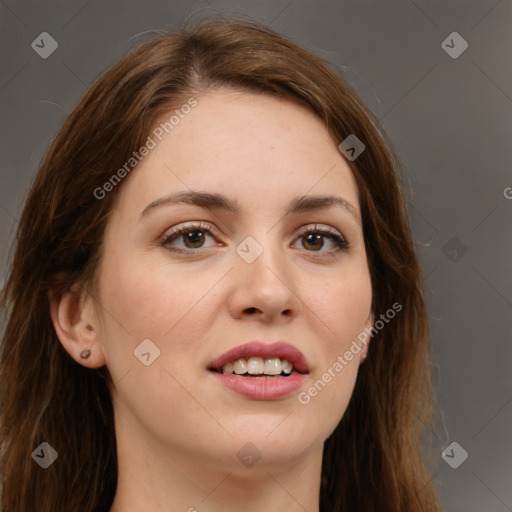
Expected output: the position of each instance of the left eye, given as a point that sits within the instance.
(313, 240)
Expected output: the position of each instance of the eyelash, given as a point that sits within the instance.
(174, 233)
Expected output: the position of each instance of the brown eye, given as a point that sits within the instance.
(193, 239)
(313, 242)
(187, 238)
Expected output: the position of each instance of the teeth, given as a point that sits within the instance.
(240, 366)
(273, 366)
(228, 368)
(259, 366)
(287, 366)
(255, 366)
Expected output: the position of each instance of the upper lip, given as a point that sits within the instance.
(279, 349)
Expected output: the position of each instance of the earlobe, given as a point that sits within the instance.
(73, 319)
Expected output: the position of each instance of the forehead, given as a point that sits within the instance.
(252, 147)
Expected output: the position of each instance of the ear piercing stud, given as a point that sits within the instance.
(85, 354)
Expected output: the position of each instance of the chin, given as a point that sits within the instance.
(276, 442)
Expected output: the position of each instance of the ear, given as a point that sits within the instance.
(76, 325)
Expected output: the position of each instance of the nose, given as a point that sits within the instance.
(265, 289)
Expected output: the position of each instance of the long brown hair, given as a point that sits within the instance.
(372, 460)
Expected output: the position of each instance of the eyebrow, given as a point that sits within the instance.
(220, 202)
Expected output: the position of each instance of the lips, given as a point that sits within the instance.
(279, 349)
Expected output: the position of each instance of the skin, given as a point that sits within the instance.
(178, 430)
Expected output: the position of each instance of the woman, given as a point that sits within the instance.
(214, 301)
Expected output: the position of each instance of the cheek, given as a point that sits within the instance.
(344, 306)
(143, 300)
(345, 309)
(148, 299)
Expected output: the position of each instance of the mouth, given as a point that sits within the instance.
(261, 371)
(258, 367)
(257, 358)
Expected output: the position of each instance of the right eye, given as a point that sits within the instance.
(192, 235)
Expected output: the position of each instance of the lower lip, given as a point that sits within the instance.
(261, 389)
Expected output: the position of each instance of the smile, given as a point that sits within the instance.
(258, 366)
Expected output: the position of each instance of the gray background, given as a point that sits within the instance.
(450, 120)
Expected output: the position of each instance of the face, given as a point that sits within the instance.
(198, 280)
